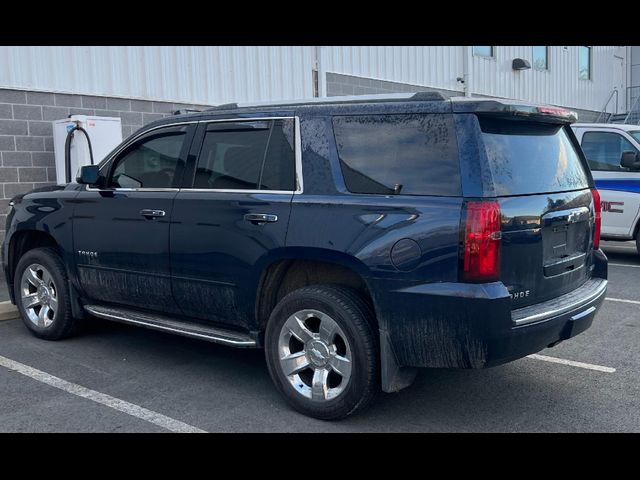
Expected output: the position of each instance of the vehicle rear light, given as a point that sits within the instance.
(557, 111)
(598, 220)
(482, 239)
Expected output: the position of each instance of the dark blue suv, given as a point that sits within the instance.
(355, 239)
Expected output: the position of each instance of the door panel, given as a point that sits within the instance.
(224, 229)
(215, 251)
(620, 197)
(546, 244)
(121, 231)
(619, 188)
(122, 256)
(619, 74)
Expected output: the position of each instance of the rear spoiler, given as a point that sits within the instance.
(506, 108)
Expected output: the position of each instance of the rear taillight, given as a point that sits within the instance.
(598, 220)
(482, 238)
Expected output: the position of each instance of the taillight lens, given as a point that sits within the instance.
(598, 220)
(482, 238)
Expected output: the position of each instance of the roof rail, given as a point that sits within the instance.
(393, 97)
(186, 110)
(224, 106)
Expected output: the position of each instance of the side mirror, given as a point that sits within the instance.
(630, 160)
(88, 175)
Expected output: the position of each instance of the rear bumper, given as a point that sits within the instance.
(456, 325)
(545, 324)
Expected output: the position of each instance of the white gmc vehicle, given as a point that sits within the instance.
(613, 153)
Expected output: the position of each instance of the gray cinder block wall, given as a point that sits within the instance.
(340, 84)
(26, 133)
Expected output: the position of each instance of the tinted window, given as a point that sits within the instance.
(529, 157)
(233, 155)
(279, 172)
(635, 135)
(604, 149)
(409, 154)
(152, 162)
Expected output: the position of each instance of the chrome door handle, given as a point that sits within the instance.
(150, 213)
(260, 218)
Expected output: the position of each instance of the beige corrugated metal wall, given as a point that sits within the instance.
(212, 75)
(435, 66)
(201, 75)
(557, 85)
(440, 66)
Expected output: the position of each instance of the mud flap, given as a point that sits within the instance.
(394, 376)
(77, 310)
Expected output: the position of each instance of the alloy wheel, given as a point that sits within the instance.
(315, 355)
(39, 295)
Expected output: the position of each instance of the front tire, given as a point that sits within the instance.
(322, 352)
(42, 294)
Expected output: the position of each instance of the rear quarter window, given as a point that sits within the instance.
(529, 157)
(406, 154)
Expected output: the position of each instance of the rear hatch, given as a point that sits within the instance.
(547, 215)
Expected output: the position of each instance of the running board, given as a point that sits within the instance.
(178, 327)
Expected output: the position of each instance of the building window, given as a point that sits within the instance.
(483, 51)
(541, 58)
(584, 63)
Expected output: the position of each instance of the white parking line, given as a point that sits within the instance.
(623, 265)
(101, 398)
(562, 361)
(623, 300)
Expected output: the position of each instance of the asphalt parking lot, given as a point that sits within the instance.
(116, 378)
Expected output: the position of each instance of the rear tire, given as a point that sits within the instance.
(638, 241)
(322, 351)
(42, 294)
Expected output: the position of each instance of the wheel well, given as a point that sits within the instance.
(285, 276)
(24, 241)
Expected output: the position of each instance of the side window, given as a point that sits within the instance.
(279, 171)
(604, 149)
(247, 156)
(407, 154)
(152, 162)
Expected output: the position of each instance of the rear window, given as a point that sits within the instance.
(406, 154)
(526, 157)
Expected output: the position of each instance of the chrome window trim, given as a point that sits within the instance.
(232, 190)
(297, 154)
(126, 145)
(132, 189)
(297, 147)
(244, 119)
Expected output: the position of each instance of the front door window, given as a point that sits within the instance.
(604, 150)
(153, 162)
